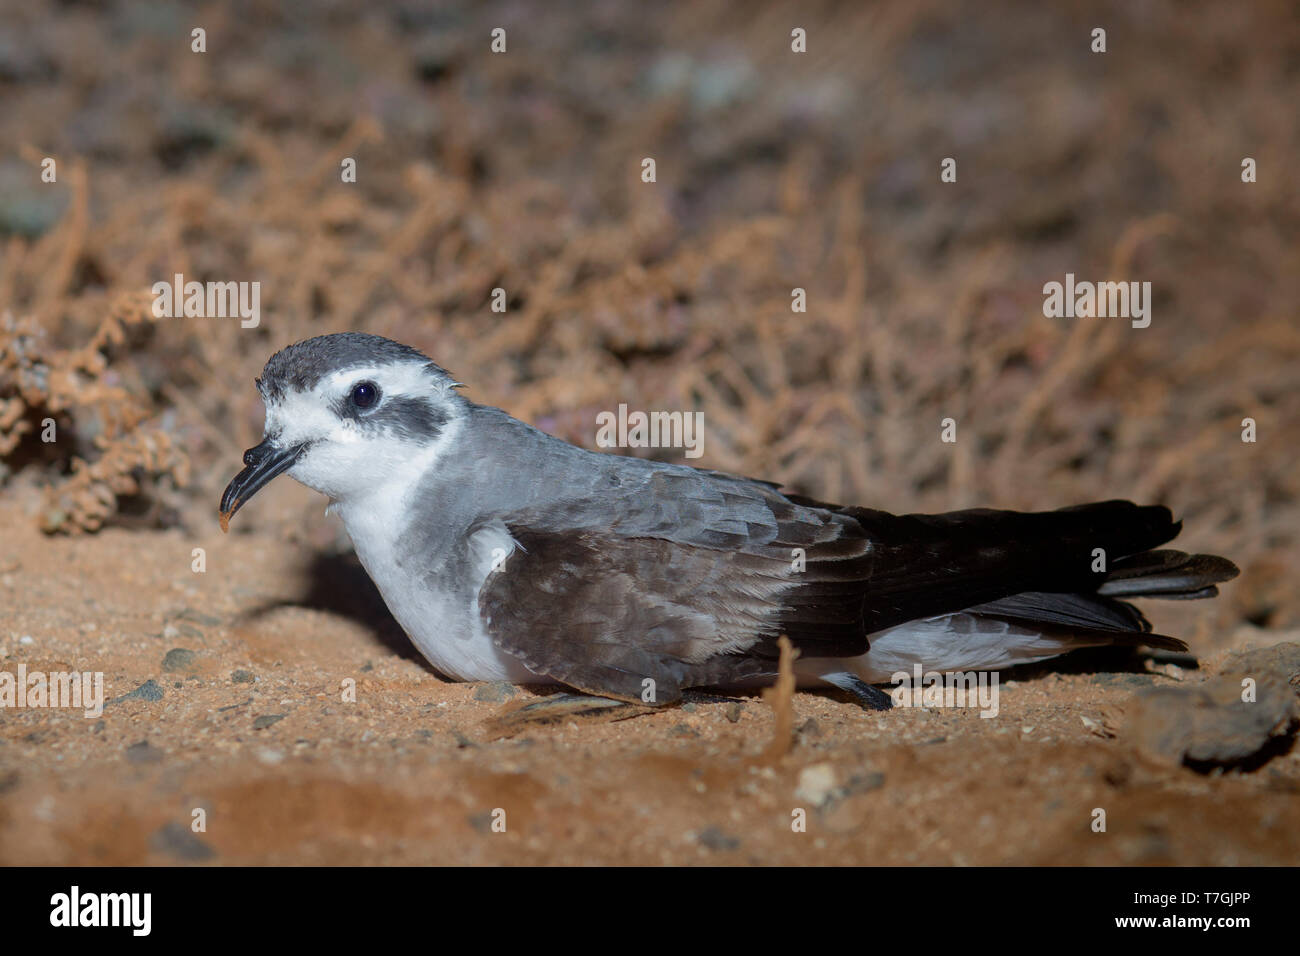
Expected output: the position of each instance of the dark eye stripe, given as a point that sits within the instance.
(410, 417)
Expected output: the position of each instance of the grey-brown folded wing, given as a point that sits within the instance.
(634, 619)
(684, 579)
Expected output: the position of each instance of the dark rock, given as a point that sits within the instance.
(1208, 725)
(180, 842)
(149, 690)
(143, 752)
(716, 839)
(1281, 660)
(178, 659)
(206, 620)
(864, 782)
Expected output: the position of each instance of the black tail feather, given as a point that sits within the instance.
(1098, 618)
(1167, 574)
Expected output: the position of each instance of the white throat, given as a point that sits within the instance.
(376, 516)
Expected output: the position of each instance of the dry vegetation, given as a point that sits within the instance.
(774, 171)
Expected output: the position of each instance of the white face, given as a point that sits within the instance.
(353, 449)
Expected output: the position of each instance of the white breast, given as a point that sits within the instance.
(444, 624)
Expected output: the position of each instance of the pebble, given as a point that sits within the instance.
(816, 784)
(149, 690)
(495, 693)
(266, 720)
(178, 659)
(715, 838)
(207, 620)
(143, 752)
(178, 841)
(242, 677)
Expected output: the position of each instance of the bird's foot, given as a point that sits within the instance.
(869, 697)
(558, 708)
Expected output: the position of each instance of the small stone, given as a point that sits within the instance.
(810, 729)
(863, 782)
(149, 690)
(816, 784)
(176, 840)
(26, 639)
(733, 711)
(266, 720)
(495, 693)
(207, 620)
(242, 677)
(1094, 726)
(717, 839)
(143, 752)
(178, 659)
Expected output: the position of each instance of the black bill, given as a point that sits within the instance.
(261, 464)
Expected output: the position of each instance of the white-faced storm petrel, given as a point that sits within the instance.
(507, 554)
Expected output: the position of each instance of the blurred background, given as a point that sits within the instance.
(775, 170)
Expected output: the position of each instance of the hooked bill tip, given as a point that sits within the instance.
(225, 521)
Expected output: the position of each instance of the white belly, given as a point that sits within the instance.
(444, 625)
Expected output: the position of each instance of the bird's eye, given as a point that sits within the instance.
(365, 394)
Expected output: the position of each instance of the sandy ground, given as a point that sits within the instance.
(252, 728)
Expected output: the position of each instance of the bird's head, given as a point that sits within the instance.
(345, 415)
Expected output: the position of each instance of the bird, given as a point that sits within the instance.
(507, 554)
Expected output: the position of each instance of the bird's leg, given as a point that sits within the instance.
(562, 707)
